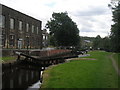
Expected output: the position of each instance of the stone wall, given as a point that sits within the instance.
(41, 53)
(7, 53)
(49, 52)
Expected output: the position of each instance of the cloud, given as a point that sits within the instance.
(86, 29)
(93, 17)
(93, 11)
(52, 4)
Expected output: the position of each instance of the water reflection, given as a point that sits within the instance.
(35, 86)
(18, 77)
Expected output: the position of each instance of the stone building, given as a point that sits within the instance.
(45, 38)
(19, 30)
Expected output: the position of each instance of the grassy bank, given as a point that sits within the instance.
(81, 73)
(8, 58)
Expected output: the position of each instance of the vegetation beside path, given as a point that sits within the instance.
(8, 59)
(95, 73)
(116, 57)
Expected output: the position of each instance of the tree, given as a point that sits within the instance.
(86, 42)
(106, 44)
(97, 42)
(115, 28)
(63, 30)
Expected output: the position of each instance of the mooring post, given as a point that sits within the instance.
(18, 53)
(18, 58)
(40, 76)
(44, 65)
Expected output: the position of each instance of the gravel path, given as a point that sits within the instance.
(115, 64)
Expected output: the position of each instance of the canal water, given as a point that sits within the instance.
(85, 55)
(36, 85)
(21, 77)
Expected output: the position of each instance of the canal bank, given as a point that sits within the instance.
(78, 73)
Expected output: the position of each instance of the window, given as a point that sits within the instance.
(27, 27)
(12, 42)
(12, 23)
(3, 40)
(32, 28)
(37, 30)
(20, 25)
(43, 37)
(2, 21)
(1, 37)
(12, 37)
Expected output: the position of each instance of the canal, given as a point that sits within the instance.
(26, 73)
(21, 76)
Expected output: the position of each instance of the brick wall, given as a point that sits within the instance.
(35, 53)
(49, 52)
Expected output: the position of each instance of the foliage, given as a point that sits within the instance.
(101, 43)
(117, 56)
(106, 44)
(52, 40)
(86, 45)
(115, 28)
(63, 30)
(97, 42)
(97, 73)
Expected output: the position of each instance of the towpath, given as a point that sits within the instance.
(115, 65)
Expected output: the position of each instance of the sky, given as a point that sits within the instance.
(93, 17)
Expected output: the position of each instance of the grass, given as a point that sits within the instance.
(8, 58)
(97, 73)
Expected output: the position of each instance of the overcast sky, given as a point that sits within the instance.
(93, 17)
